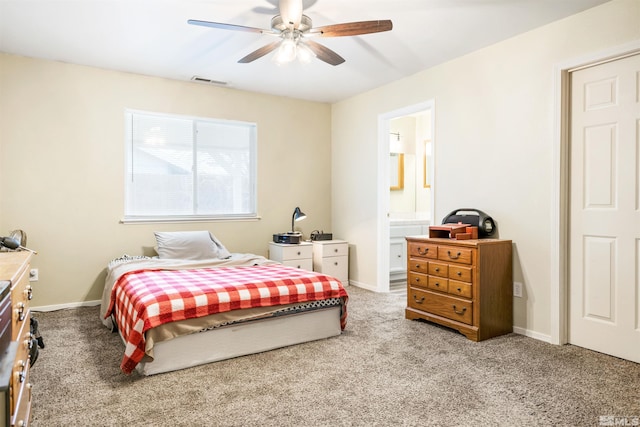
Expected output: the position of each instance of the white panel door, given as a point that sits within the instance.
(604, 222)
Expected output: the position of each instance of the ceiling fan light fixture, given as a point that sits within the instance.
(304, 53)
(287, 50)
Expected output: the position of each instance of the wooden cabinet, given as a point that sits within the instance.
(298, 255)
(465, 285)
(14, 267)
(331, 257)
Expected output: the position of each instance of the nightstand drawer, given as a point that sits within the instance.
(299, 252)
(281, 252)
(332, 249)
(305, 264)
(335, 266)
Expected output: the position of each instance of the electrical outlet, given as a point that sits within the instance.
(33, 275)
(517, 289)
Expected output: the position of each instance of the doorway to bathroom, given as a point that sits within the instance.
(406, 194)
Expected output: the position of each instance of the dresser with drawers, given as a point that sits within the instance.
(15, 267)
(465, 285)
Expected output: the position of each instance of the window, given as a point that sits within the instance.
(185, 168)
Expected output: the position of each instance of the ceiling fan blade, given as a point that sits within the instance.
(259, 53)
(325, 54)
(353, 28)
(222, 26)
(291, 12)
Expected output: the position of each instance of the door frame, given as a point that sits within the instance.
(384, 228)
(559, 284)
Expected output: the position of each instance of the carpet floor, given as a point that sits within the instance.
(383, 370)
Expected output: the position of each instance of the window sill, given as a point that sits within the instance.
(184, 219)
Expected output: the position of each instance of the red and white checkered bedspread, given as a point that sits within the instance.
(144, 299)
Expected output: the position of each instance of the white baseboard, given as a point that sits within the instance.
(363, 286)
(65, 306)
(532, 334)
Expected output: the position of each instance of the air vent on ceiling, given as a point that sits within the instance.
(199, 79)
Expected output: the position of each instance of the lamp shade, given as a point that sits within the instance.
(297, 216)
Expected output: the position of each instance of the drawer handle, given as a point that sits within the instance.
(22, 375)
(299, 252)
(418, 266)
(421, 252)
(20, 311)
(29, 292)
(437, 269)
(454, 257)
(399, 256)
(335, 263)
(459, 273)
(459, 312)
(415, 298)
(28, 343)
(437, 285)
(335, 250)
(459, 290)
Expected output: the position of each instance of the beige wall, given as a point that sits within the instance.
(494, 135)
(62, 156)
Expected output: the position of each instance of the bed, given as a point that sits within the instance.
(196, 303)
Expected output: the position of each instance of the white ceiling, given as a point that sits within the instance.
(152, 37)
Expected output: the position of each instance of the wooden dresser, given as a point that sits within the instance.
(465, 285)
(15, 266)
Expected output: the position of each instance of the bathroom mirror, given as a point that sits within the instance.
(396, 171)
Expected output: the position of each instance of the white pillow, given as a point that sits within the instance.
(193, 245)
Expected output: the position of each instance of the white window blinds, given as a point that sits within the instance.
(189, 168)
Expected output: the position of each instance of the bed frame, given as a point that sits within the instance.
(242, 339)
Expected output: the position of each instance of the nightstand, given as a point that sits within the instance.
(298, 255)
(331, 257)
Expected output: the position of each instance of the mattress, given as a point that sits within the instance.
(241, 339)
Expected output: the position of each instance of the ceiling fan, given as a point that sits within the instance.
(295, 30)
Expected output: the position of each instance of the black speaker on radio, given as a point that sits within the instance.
(486, 225)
